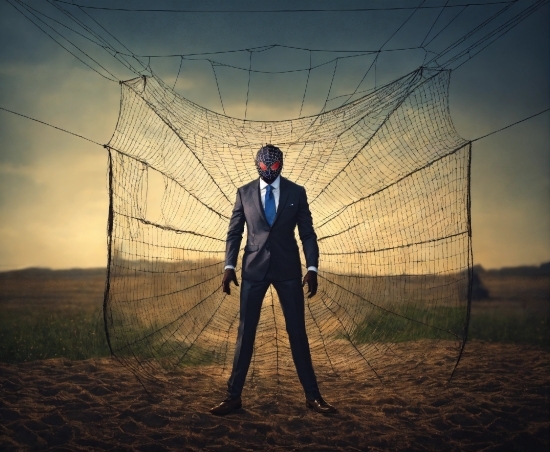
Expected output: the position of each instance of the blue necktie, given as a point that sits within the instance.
(269, 208)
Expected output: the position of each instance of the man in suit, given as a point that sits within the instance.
(271, 207)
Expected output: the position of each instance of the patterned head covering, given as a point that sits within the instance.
(269, 162)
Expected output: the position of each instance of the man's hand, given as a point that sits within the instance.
(230, 275)
(311, 280)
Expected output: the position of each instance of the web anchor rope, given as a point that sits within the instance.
(312, 10)
(54, 127)
(107, 146)
(510, 125)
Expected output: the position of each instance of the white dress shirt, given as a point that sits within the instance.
(275, 189)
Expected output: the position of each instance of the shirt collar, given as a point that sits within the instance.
(275, 184)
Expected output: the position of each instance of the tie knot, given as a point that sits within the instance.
(268, 189)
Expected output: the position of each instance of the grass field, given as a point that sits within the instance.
(518, 310)
(518, 326)
(51, 332)
(49, 314)
(380, 326)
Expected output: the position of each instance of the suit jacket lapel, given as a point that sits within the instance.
(283, 197)
(257, 199)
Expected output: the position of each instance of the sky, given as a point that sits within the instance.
(53, 186)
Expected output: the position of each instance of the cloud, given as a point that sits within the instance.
(53, 195)
(53, 188)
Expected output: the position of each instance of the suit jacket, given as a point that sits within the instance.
(271, 251)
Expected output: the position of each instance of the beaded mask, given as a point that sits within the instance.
(269, 163)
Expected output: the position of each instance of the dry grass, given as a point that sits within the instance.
(50, 314)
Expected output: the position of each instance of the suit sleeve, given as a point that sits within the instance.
(307, 233)
(235, 233)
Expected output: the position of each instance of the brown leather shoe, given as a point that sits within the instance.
(320, 406)
(227, 406)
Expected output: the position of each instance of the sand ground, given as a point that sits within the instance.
(498, 401)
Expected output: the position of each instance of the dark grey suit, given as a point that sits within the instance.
(271, 256)
(271, 249)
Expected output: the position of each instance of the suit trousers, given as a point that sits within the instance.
(291, 296)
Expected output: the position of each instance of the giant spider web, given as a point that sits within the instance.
(386, 174)
(387, 178)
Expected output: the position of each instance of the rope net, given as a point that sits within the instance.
(387, 179)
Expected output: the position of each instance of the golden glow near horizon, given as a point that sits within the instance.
(53, 187)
